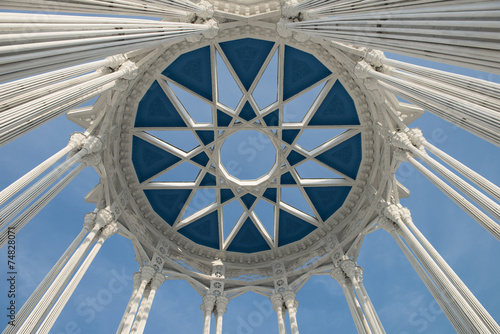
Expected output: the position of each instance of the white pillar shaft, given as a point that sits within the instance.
(19, 222)
(368, 312)
(352, 307)
(128, 308)
(457, 282)
(23, 181)
(218, 323)
(479, 180)
(372, 308)
(34, 298)
(482, 200)
(143, 313)
(485, 221)
(281, 320)
(466, 313)
(438, 296)
(48, 299)
(51, 318)
(292, 314)
(129, 321)
(207, 317)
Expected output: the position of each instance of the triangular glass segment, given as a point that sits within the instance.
(149, 159)
(231, 212)
(313, 170)
(292, 228)
(248, 199)
(295, 110)
(312, 138)
(229, 92)
(184, 172)
(327, 200)
(201, 159)
(287, 178)
(301, 70)
(201, 199)
(266, 91)
(289, 136)
(206, 136)
(167, 203)
(265, 213)
(204, 231)
(294, 158)
(270, 194)
(185, 140)
(193, 70)
(336, 109)
(272, 119)
(248, 239)
(155, 109)
(223, 119)
(226, 195)
(293, 197)
(246, 57)
(199, 110)
(247, 112)
(345, 157)
(208, 181)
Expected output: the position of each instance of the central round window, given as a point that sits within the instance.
(248, 154)
(246, 145)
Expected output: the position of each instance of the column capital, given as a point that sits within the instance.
(157, 281)
(417, 137)
(130, 70)
(338, 274)
(362, 69)
(93, 144)
(400, 139)
(277, 301)
(147, 272)
(89, 221)
(387, 225)
(221, 304)
(208, 304)
(402, 154)
(392, 212)
(104, 217)
(289, 298)
(206, 10)
(92, 159)
(406, 215)
(109, 230)
(358, 273)
(375, 57)
(137, 279)
(282, 30)
(77, 140)
(213, 29)
(349, 267)
(116, 60)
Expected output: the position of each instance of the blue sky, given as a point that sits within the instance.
(403, 303)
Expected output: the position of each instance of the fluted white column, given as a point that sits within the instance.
(220, 308)
(34, 298)
(349, 267)
(338, 274)
(147, 273)
(479, 309)
(102, 218)
(291, 305)
(278, 307)
(443, 303)
(147, 302)
(54, 313)
(137, 283)
(467, 314)
(207, 308)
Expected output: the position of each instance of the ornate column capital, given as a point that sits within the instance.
(387, 225)
(402, 154)
(392, 212)
(109, 230)
(206, 10)
(93, 144)
(77, 141)
(130, 70)
(375, 57)
(137, 279)
(116, 60)
(89, 221)
(213, 29)
(221, 304)
(104, 217)
(289, 298)
(147, 273)
(417, 138)
(157, 281)
(401, 140)
(349, 267)
(338, 274)
(362, 70)
(406, 215)
(358, 273)
(208, 304)
(277, 301)
(282, 30)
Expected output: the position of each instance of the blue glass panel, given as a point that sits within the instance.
(312, 138)
(292, 228)
(206, 136)
(265, 213)
(266, 91)
(246, 56)
(155, 109)
(226, 195)
(313, 170)
(201, 199)
(270, 194)
(327, 200)
(294, 158)
(185, 140)
(272, 119)
(287, 179)
(201, 159)
(231, 212)
(208, 180)
(295, 110)
(223, 119)
(149, 159)
(167, 203)
(336, 109)
(294, 197)
(248, 239)
(229, 92)
(185, 172)
(204, 231)
(199, 110)
(289, 136)
(301, 71)
(192, 70)
(345, 157)
(247, 112)
(248, 199)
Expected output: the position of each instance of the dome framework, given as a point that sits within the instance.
(69, 69)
